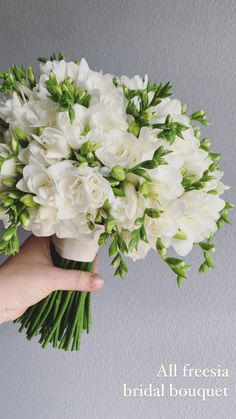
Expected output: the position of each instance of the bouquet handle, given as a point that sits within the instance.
(61, 317)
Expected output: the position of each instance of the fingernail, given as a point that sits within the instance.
(97, 282)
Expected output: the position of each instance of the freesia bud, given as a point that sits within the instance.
(9, 233)
(9, 182)
(28, 200)
(145, 188)
(118, 172)
(24, 217)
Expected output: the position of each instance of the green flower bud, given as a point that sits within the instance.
(9, 233)
(15, 146)
(57, 90)
(110, 224)
(14, 194)
(9, 182)
(134, 129)
(24, 217)
(40, 131)
(28, 200)
(20, 134)
(86, 148)
(145, 189)
(31, 76)
(197, 132)
(118, 172)
(107, 205)
(61, 55)
(7, 202)
(184, 108)
(90, 156)
(116, 261)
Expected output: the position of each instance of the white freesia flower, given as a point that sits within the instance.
(107, 116)
(188, 155)
(117, 147)
(61, 69)
(43, 221)
(30, 114)
(166, 183)
(37, 181)
(149, 142)
(135, 82)
(79, 189)
(216, 184)
(201, 213)
(126, 209)
(169, 107)
(8, 167)
(165, 226)
(142, 250)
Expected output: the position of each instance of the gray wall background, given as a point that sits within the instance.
(146, 320)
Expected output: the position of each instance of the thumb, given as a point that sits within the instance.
(71, 279)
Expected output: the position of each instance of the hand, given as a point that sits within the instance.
(30, 276)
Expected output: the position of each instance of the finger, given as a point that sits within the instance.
(70, 279)
(37, 247)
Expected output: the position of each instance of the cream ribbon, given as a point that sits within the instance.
(82, 248)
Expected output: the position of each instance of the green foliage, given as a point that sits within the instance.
(178, 266)
(53, 57)
(66, 95)
(86, 155)
(140, 232)
(139, 103)
(16, 205)
(199, 116)
(224, 218)
(206, 248)
(170, 129)
(158, 159)
(11, 79)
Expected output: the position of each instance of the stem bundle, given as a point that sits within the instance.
(60, 318)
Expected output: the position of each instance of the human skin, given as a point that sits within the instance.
(30, 276)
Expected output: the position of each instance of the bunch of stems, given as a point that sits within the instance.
(60, 318)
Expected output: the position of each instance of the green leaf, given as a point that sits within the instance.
(135, 237)
(116, 261)
(113, 247)
(9, 233)
(71, 115)
(179, 281)
(174, 262)
(143, 235)
(142, 173)
(122, 244)
(153, 212)
(207, 246)
(103, 239)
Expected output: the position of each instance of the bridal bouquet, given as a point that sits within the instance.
(87, 158)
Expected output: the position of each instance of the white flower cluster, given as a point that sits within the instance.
(91, 162)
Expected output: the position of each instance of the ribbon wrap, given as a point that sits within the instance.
(82, 248)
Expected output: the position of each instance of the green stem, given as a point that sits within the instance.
(78, 319)
(57, 321)
(62, 316)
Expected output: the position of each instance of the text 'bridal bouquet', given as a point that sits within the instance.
(86, 158)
